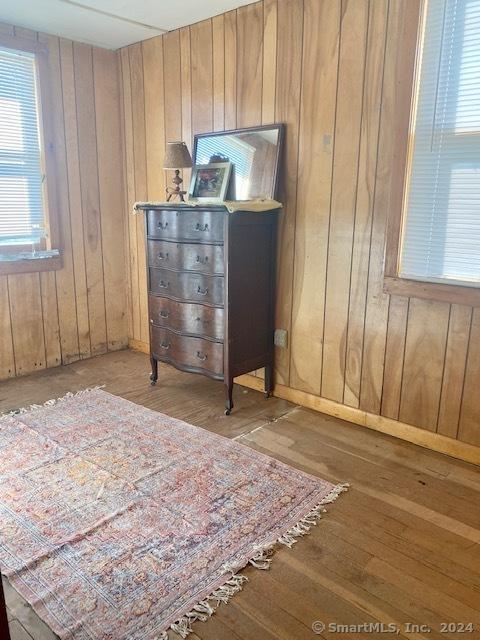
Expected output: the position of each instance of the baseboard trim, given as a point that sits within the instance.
(421, 437)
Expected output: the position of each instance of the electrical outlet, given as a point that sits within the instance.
(280, 338)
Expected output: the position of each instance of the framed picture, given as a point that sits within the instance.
(210, 181)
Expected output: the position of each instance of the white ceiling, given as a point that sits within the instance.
(110, 23)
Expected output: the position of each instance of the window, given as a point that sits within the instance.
(22, 216)
(440, 239)
(26, 222)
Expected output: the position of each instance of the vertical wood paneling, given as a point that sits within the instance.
(27, 326)
(454, 370)
(218, 49)
(376, 314)
(58, 317)
(90, 197)
(231, 70)
(48, 280)
(139, 175)
(249, 64)
(317, 123)
(131, 223)
(186, 96)
(427, 328)
(394, 356)
(287, 110)
(126, 218)
(7, 360)
(269, 75)
(74, 196)
(469, 417)
(154, 95)
(173, 92)
(270, 36)
(344, 189)
(329, 69)
(173, 87)
(109, 156)
(51, 328)
(65, 278)
(202, 76)
(402, 31)
(367, 164)
(154, 117)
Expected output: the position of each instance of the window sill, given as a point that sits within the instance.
(30, 265)
(452, 293)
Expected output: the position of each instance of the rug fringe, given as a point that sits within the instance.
(261, 559)
(49, 403)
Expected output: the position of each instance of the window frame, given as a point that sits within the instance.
(407, 70)
(48, 162)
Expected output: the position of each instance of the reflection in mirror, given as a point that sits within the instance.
(254, 154)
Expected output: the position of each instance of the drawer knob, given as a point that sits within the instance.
(162, 256)
(162, 225)
(164, 314)
(202, 292)
(165, 345)
(202, 227)
(203, 260)
(201, 356)
(164, 285)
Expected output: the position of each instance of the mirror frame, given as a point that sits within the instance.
(280, 127)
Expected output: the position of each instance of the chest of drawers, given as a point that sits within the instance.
(211, 284)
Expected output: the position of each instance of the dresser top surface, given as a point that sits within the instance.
(251, 206)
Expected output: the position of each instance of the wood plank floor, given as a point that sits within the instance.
(402, 546)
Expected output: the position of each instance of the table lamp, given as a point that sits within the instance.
(177, 157)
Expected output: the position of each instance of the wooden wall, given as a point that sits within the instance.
(328, 69)
(58, 317)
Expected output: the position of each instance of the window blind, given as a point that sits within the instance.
(22, 219)
(441, 235)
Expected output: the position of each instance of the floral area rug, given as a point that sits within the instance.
(118, 522)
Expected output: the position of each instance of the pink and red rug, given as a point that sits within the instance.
(120, 523)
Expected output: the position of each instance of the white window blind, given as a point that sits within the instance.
(441, 235)
(22, 217)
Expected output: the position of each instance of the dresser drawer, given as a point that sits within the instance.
(201, 226)
(184, 317)
(186, 352)
(204, 258)
(190, 287)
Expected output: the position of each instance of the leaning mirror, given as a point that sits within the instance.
(254, 153)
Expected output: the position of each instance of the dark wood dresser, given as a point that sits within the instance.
(211, 284)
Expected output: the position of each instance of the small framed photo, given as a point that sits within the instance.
(210, 182)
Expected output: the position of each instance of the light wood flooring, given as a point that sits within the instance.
(402, 546)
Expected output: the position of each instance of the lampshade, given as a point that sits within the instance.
(177, 156)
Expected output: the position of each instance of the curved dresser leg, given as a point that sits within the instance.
(268, 380)
(229, 400)
(154, 374)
